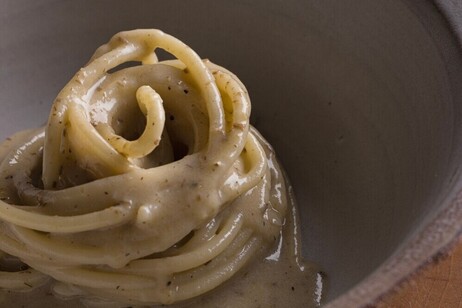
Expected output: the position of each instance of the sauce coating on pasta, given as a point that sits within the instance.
(148, 186)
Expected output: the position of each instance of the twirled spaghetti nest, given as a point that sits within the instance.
(147, 185)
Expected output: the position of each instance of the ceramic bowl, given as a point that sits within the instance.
(361, 100)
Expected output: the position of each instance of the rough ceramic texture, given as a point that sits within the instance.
(361, 99)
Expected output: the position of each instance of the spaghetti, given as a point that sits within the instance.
(147, 185)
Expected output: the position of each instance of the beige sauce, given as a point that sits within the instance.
(109, 217)
(278, 281)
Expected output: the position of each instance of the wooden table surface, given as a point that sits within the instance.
(438, 284)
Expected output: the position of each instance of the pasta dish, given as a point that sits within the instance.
(146, 186)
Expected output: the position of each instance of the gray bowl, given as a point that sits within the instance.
(361, 100)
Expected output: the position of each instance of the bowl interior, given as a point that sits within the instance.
(359, 101)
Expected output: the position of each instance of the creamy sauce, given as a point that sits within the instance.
(281, 279)
(148, 185)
